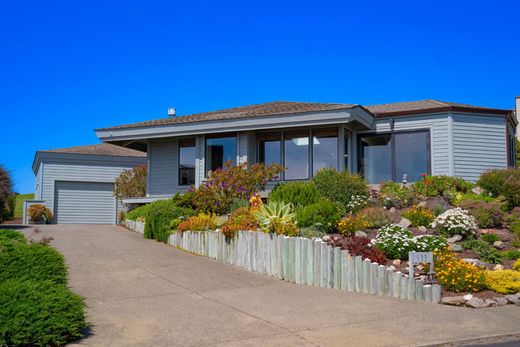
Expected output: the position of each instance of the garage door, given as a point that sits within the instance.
(84, 203)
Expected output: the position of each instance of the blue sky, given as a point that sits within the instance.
(69, 67)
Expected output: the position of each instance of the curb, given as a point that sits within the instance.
(482, 339)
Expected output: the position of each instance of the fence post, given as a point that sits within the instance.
(309, 245)
(373, 278)
(324, 271)
(427, 293)
(337, 268)
(436, 293)
(317, 263)
(297, 261)
(351, 273)
(382, 282)
(344, 269)
(396, 289)
(366, 276)
(358, 264)
(419, 290)
(404, 287)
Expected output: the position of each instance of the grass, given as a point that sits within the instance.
(36, 307)
(18, 210)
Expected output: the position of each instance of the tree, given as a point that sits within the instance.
(6, 193)
(131, 183)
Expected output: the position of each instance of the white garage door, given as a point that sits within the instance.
(84, 203)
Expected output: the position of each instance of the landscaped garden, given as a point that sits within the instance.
(36, 307)
(473, 230)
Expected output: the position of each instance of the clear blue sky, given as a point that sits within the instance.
(69, 67)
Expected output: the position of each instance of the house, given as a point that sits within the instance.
(77, 183)
(397, 141)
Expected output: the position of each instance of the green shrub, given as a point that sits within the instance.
(312, 232)
(484, 250)
(419, 216)
(396, 195)
(437, 185)
(33, 261)
(340, 187)
(323, 212)
(159, 217)
(238, 204)
(377, 216)
(277, 217)
(461, 197)
(504, 183)
(512, 254)
(11, 235)
(299, 194)
(490, 238)
(38, 313)
(487, 214)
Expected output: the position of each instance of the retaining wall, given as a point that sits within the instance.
(303, 261)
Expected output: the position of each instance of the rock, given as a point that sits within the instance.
(361, 233)
(422, 229)
(468, 297)
(518, 295)
(454, 239)
(500, 301)
(453, 300)
(396, 262)
(470, 260)
(512, 298)
(498, 244)
(392, 210)
(476, 303)
(477, 190)
(405, 222)
(422, 204)
(423, 278)
(392, 267)
(498, 267)
(455, 248)
(326, 238)
(491, 302)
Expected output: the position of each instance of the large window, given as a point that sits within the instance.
(220, 150)
(394, 156)
(186, 162)
(296, 155)
(324, 149)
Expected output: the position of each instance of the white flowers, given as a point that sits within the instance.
(455, 221)
(357, 202)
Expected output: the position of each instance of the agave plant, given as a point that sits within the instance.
(277, 217)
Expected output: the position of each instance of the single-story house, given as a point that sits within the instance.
(397, 141)
(77, 183)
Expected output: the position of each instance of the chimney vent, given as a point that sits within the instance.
(172, 112)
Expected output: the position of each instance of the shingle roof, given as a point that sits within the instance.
(425, 106)
(100, 149)
(257, 110)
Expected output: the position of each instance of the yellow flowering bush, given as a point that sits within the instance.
(457, 275)
(350, 224)
(516, 265)
(419, 216)
(503, 281)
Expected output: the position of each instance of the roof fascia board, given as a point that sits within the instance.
(491, 112)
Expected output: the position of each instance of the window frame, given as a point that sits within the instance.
(219, 136)
(392, 134)
(179, 160)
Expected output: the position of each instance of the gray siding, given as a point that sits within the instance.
(439, 137)
(38, 185)
(163, 167)
(479, 144)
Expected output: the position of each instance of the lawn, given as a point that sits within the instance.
(18, 210)
(36, 307)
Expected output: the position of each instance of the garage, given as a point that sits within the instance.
(76, 183)
(84, 203)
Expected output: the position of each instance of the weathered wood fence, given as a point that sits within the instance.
(138, 227)
(304, 261)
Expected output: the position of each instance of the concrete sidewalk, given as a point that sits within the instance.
(145, 293)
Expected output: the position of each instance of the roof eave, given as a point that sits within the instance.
(488, 111)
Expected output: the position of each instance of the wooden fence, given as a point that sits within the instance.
(303, 261)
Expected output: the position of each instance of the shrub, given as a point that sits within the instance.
(340, 187)
(485, 252)
(419, 216)
(516, 265)
(503, 281)
(240, 219)
(486, 214)
(357, 202)
(429, 243)
(395, 241)
(324, 212)
(455, 222)
(504, 183)
(460, 197)
(350, 224)
(131, 183)
(299, 194)
(277, 217)
(11, 235)
(312, 232)
(238, 204)
(437, 185)
(512, 254)
(456, 275)
(39, 213)
(159, 216)
(38, 313)
(490, 238)
(396, 195)
(201, 222)
(361, 246)
(376, 216)
(6, 186)
(176, 201)
(232, 182)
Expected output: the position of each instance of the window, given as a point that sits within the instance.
(270, 148)
(324, 149)
(394, 156)
(296, 155)
(511, 161)
(186, 162)
(220, 150)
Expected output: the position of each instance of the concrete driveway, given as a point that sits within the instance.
(144, 293)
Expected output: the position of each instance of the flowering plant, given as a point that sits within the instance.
(396, 242)
(232, 182)
(356, 203)
(255, 201)
(419, 216)
(455, 222)
(457, 275)
(350, 224)
(429, 243)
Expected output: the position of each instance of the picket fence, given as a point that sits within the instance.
(138, 227)
(303, 261)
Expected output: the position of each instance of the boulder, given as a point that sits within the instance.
(498, 244)
(476, 303)
(500, 301)
(360, 233)
(468, 297)
(422, 229)
(455, 248)
(392, 210)
(453, 300)
(405, 223)
(498, 267)
(512, 299)
(491, 302)
(454, 239)
(396, 262)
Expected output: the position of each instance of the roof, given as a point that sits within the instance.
(99, 149)
(257, 110)
(428, 106)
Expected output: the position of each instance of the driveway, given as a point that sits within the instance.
(144, 293)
